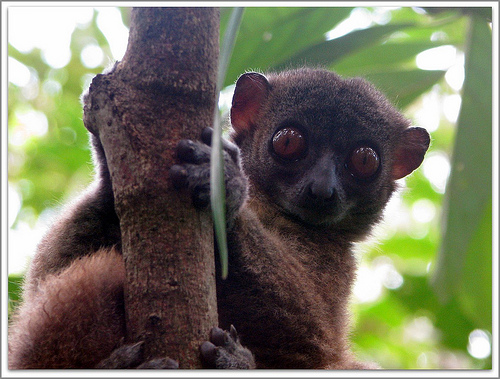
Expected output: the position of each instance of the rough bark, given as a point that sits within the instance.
(162, 91)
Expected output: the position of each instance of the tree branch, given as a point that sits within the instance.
(161, 92)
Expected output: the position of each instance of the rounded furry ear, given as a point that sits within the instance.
(250, 92)
(410, 151)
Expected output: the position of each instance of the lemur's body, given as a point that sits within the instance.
(320, 155)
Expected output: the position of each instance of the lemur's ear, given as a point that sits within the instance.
(410, 151)
(251, 90)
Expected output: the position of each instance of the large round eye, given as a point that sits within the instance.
(289, 143)
(363, 162)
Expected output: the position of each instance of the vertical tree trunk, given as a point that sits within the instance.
(162, 91)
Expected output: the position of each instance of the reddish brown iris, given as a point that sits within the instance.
(289, 143)
(363, 162)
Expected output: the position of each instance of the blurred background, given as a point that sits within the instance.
(423, 297)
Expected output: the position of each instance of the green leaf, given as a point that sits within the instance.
(325, 53)
(464, 264)
(270, 35)
(403, 87)
(453, 324)
(15, 290)
(483, 12)
(381, 57)
(475, 289)
(217, 185)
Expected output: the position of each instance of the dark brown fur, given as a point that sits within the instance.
(291, 265)
(72, 317)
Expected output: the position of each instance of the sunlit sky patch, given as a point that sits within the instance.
(438, 58)
(92, 56)
(53, 41)
(436, 167)
(361, 18)
(18, 73)
(479, 345)
(54, 26)
(31, 123)
(109, 20)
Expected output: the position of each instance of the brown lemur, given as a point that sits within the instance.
(313, 162)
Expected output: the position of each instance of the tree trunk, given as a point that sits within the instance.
(162, 91)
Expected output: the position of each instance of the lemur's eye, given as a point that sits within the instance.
(363, 162)
(289, 143)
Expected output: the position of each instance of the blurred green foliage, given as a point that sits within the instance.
(442, 266)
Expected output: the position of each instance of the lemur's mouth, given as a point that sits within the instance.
(317, 214)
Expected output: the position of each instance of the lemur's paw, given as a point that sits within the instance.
(224, 351)
(193, 173)
(132, 356)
